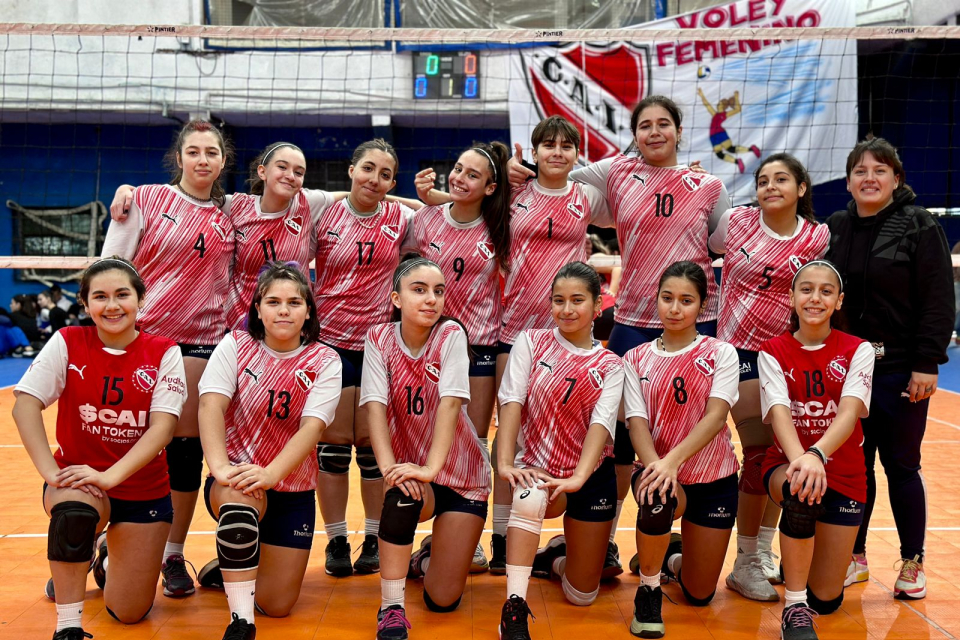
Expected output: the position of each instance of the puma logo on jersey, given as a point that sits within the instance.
(392, 231)
(691, 182)
(789, 374)
(749, 255)
(255, 376)
(334, 233)
(545, 364)
(432, 370)
(596, 378)
(239, 235)
(170, 218)
(645, 377)
(520, 205)
(73, 367)
(220, 232)
(704, 365)
(576, 210)
(305, 378)
(642, 179)
(438, 245)
(294, 225)
(485, 249)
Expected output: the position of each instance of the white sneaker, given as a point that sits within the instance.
(748, 580)
(479, 563)
(857, 571)
(770, 565)
(911, 584)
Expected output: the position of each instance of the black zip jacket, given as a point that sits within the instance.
(905, 305)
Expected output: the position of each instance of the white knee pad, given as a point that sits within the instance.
(529, 506)
(578, 597)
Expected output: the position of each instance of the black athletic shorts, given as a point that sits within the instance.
(137, 511)
(352, 362)
(289, 520)
(748, 365)
(483, 364)
(709, 504)
(202, 351)
(596, 501)
(837, 508)
(446, 500)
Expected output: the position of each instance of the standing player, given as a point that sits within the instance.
(119, 393)
(558, 403)
(816, 384)
(764, 247)
(677, 393)
(415, 385)
(182, 244)
(266, 397)
(358, 247)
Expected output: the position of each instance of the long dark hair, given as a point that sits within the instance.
(495, 207)
(28, 304)
(654, 101)
(113, 263)
(408, 263)
(270, 273)
(217, 193)
(799, 173)
(255, 181)
(884, 152)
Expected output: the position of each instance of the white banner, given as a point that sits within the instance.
(741, 100)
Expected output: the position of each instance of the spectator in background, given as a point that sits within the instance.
(610, 276)
(23, 313)
(56, 294)
(55, 316)
(13, 341)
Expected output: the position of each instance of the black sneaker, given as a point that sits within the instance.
(99, 565)
(177, 583)
(416, 560)
(71, 633)
(674, 547)
(498, 555)
(647, 620)
(796, 622)
(210, 576)
(369, 560)
(240, 629)
(392, 623)
(338, 562)
(555, 548)
(513, 619)
(611, 564)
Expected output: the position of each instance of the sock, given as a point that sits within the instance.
(424, 565)
(651, 581)
(518, 579)
(746, 545)
(674, 563)
(501, 516)
(172, 549)
(794, 597)
(765, 539)
(68, 615)
(559, 564)
(616, 519)
(335, 529)
(370, 527)
(391, 592)
(240, 598)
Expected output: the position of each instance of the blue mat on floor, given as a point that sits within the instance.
(12, 369)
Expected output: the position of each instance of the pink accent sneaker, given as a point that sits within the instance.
(858, 570)
(911, 584)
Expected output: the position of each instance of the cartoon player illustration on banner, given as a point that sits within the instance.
(722, 144)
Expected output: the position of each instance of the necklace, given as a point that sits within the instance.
(360, 217)
(664, 349)
(190, 195)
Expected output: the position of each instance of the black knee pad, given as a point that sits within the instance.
(73, 527)
(334, 458)
(799, 520)
(823, 607)
(696, 602)
(238, 537)
(368, 464)
(185, 464)
(138, 620)
(656, 520)
(436, 608)
(400, 516)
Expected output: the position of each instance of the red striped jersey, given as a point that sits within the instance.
(104, 401)
(670, 390)
(263, 237)
(411, 388)
(270, 392)
(356, 257)
(466, 257)
(758, 268)
(811, 382)
(662, 215)
(184, 253)
(563, 390)
(548, 228)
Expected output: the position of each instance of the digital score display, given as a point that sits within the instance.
(446, 75)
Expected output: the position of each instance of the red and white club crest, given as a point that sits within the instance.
(145, 378)
(486, 250)
(576, 210)
(795, 264)
(596, 378)
(594, 87)
(432, 370)
(691, 181)
(305, 378)
(706, 366)
(392, 231)
(837, 369)
(294, 224)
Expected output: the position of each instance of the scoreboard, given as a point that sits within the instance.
(446, 75)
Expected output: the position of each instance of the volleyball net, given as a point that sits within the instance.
(85, 108)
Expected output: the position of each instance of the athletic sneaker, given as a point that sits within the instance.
(748, 580)
(71, 633)
(555, 548)
(647, 620)
(770, 566)
(338, 562)
(796, 622)
(498, 555)
(911, 584)
(369, 560)
(674, 547)
(858, 571)
(177, 583)
(611, 564)
(210, 576)
(479, 563)
(240, 629)
(416, 560)
(513, 619)
(100, 564)
(392, 623)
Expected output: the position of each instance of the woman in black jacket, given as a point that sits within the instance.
(898, 277)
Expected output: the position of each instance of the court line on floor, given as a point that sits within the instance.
(907, 604)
